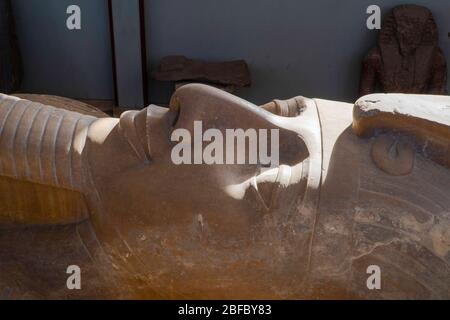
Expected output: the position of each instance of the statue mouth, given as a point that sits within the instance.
(278, 188)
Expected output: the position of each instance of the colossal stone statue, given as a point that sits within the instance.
(104, 195)
(407, 58)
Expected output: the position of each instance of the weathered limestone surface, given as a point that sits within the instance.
(141, 227)
(63, 103)
(424, 118)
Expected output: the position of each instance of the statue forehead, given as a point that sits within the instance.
(411, 13)
(409, 17)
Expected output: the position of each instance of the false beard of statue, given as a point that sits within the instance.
(10, 61)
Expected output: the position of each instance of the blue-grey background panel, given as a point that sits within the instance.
(59, 61)
(311, 48)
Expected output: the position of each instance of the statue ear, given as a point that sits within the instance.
(133, 125)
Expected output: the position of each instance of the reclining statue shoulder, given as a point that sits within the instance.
(358, 188)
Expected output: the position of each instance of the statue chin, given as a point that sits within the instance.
(355, 188)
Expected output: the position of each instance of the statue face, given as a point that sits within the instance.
(409, 32)
(192, 219)
(229, 197)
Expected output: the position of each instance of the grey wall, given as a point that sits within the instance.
(129, 56)
(312, 48)
(75, 64)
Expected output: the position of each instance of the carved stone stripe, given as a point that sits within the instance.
(41, 144)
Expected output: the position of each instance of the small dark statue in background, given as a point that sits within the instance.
(10, 62)
(407, 58)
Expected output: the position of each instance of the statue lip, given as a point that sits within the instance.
(281, 182)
